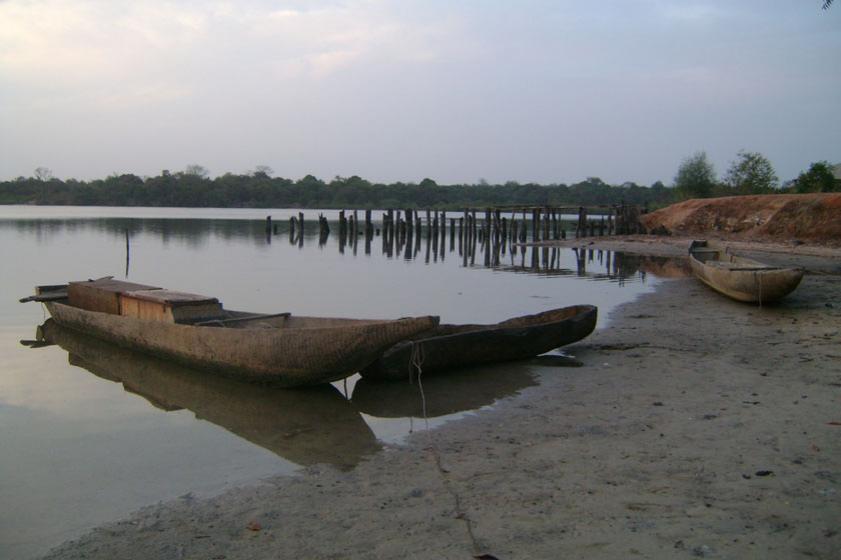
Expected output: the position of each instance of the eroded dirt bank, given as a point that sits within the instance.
(698, 427)
(814, 217)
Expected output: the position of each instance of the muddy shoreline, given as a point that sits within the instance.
(697, 427)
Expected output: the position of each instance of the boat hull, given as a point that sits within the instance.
(742, 279)
(271, 353)
(457, 346)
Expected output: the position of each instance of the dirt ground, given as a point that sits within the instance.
(812, 217)
(697, 427)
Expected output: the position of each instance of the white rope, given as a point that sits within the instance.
(415, 365)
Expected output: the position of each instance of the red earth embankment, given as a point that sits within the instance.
(812, 217)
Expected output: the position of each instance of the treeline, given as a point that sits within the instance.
(260, 190)
(749, 173)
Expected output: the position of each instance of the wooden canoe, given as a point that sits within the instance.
(306, 426)
(281, 349)
(454, 346)
(741, 278)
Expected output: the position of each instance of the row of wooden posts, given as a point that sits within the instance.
(522, 226)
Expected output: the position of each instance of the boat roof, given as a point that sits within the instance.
(170, 297)
(111, 285)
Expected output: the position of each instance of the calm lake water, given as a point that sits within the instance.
(90, 433)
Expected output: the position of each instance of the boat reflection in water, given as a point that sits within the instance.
(458, 391)
(305, 426)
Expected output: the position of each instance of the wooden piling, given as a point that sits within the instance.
(535, 223)
(546, 223)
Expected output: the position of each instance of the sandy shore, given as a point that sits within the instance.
(697, 427)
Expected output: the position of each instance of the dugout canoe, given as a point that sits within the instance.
(447, 347)
(741, 278)
(281, 349)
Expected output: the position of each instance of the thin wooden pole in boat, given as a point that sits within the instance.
(128, 252)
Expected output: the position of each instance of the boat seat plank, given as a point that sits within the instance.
(238, 320)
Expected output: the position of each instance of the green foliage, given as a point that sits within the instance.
(695, 177)
(819, 178)
(751, 173)
(258, 189)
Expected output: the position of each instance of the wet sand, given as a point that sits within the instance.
(697, 427)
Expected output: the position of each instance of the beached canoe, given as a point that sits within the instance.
(741, 278)
(454, 346)
(281, 349)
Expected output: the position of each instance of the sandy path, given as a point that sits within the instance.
(697, 427)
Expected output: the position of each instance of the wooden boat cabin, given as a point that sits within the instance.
(143, 302)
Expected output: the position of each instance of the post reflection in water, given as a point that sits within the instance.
(410, 240)
(416, 242)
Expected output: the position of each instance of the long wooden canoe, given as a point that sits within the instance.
(281, 349)
(741, 278)
(454, 346)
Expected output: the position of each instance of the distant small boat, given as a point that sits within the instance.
(741, 278)
(455, 346)
(281, 349)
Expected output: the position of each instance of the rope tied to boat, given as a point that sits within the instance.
(415, 364)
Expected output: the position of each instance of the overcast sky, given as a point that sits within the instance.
(545, 91)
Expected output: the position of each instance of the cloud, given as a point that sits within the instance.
(166, 48)
(402, 89)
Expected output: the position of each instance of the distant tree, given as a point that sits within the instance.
(263, 172)
(43, 173)
(196, 171)
(819, 178)
(751, 173)
(427, 182)
(695, 177)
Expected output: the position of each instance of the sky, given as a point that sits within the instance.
(457, 91)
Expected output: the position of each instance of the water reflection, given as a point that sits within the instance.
(482, 248)
(68, 447)
(306, 426)
(458, 391)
